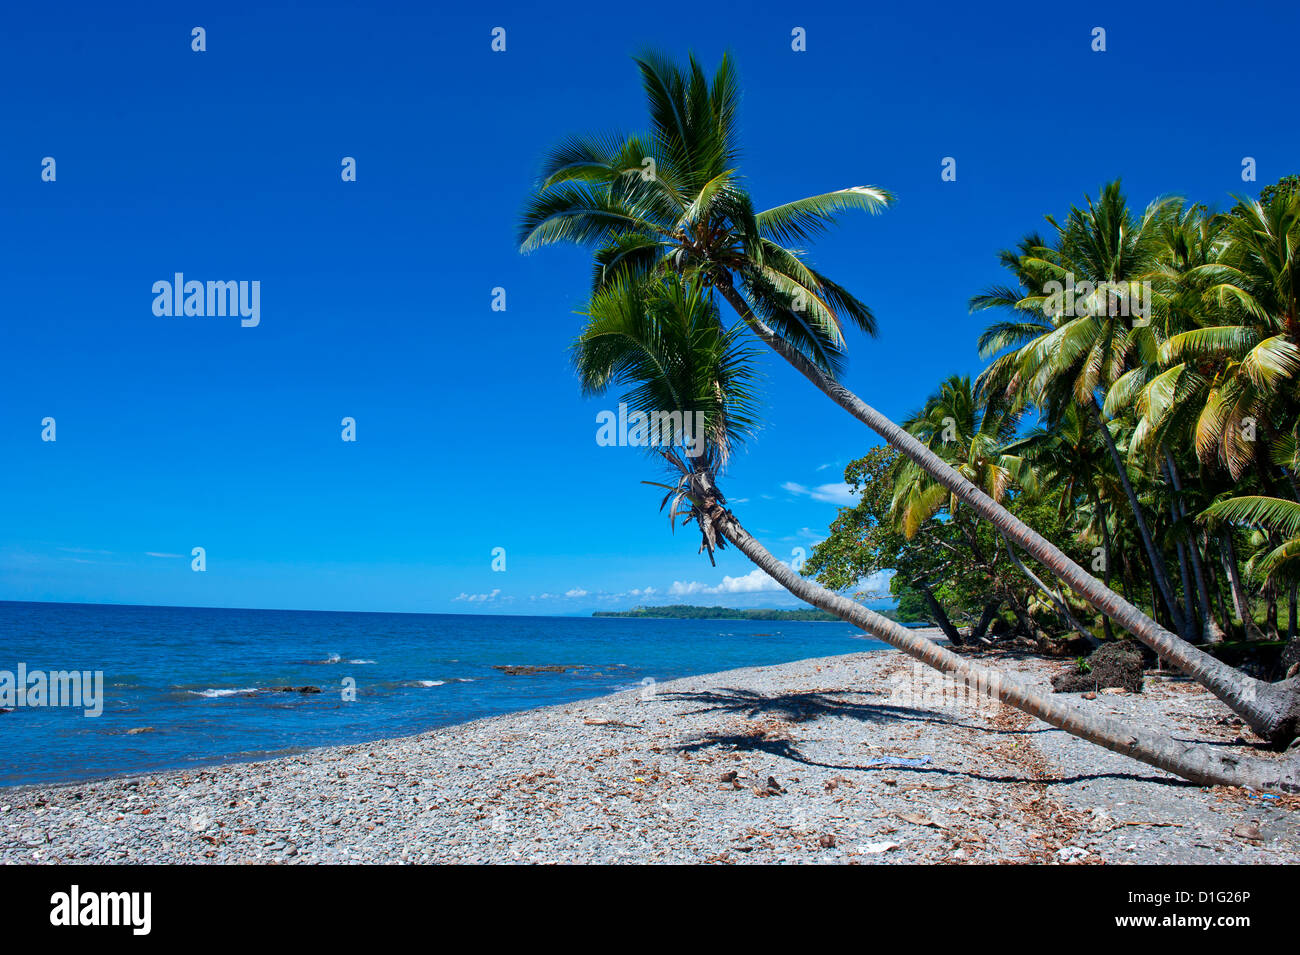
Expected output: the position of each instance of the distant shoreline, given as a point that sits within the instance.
(692, 612)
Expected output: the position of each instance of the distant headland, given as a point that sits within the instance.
(689, 612)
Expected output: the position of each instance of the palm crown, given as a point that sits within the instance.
(672, 201)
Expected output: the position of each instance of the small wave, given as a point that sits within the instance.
(430, 682)
(225, 691)
(358, 662)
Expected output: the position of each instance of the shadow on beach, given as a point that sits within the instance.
(803, 707)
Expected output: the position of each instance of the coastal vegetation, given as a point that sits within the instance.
(671, 247)
(1157, 444)
(690, 612)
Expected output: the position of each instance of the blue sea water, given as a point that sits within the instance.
(195, 677)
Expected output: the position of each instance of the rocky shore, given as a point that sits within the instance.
(850, 759)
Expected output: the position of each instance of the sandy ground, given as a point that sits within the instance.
(839, 760)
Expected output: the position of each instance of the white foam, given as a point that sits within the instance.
(213, 694)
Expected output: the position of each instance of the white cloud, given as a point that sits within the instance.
(754, 582)
(875, 585)
(478, 598)
(575, 592)
(840, 493)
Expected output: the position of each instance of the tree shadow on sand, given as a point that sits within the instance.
(810, 706)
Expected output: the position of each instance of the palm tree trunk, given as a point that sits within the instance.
(1211, 632)
(1105, 559)
(1291, 613)
(1158, 570)
(1225, 558)
(1271, 710)
(1058, 600)
(1200, 764)
(1239, 602)
(1185, 575)
(937, 611)
(986, 618)
(1270, 596)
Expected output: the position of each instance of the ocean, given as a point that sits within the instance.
(194, 684)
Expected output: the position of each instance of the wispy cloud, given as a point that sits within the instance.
(479, 598)
(840, 493)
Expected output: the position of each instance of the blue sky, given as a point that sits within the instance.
(177, 432)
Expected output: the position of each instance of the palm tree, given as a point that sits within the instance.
(1066, 461)
(664, 341)
(1278, 561)
(1100, 261)
(1224, 375)
(1236, 371)
(672, 202)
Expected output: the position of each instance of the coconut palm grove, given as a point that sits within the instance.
(1119, 482)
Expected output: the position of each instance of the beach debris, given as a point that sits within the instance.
(1070, 853)
(1114, 665)
(899, 761)
(1249, 831)
(827, 841)
(916, 819)
(876, 848)
(589, 721)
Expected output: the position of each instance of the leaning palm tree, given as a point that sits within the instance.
(672, 201)
(664, 341)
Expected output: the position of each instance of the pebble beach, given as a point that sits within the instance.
(818, 761)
